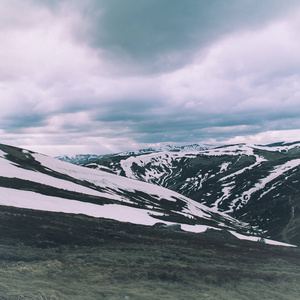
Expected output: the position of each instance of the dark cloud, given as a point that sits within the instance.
(131, 109)
(19, 123)
(162, 35)
(185, 126)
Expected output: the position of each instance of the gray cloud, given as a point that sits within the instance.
(17, 124)
(162, 35)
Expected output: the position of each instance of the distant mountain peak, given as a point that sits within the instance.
(81, 159)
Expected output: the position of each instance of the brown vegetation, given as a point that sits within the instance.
(59, 256)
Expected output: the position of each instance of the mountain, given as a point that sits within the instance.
(81, 159)
(168, 148)
(35, 181)
(256, 184)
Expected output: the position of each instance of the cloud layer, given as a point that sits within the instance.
(106, 76)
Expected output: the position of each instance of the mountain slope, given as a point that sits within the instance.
(32, 180)
(256, 184)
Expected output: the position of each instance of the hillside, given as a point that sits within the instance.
(56, 256)
(258, 185)
(32, 180)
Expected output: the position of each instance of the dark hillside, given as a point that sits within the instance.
(47, 255)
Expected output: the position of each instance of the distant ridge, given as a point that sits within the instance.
(81, 159)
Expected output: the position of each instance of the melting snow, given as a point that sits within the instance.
(224, 167)
(258, 161)
(256, 239)
(279, 170)
(31, 200)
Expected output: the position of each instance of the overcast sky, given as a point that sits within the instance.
(103, 76)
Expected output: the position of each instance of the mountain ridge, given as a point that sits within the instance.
(257, 184)
(80, 159)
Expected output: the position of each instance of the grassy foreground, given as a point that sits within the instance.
(60, 256)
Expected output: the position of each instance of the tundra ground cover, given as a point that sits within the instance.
(60, 256)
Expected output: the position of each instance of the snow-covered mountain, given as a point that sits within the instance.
(35, 181)
(256, 184)
(81, 159)
(168, 148)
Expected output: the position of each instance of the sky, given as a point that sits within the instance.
(105, 76)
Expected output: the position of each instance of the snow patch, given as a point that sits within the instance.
(279, 170)
(31, 200)
(256, 239)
